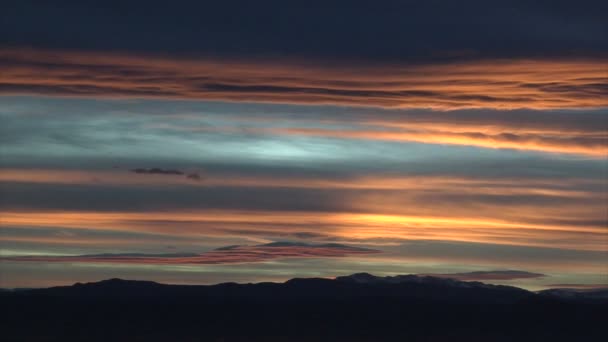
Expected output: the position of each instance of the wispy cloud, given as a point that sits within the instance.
(581, 287)
(157, 171)
(195, 176)
(488, 275)
(223, 255)
(592, 145)
(530, 227)
(487, 83)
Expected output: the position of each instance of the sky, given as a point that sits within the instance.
(198, 142)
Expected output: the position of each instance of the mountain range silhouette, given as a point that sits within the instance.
(359, 307)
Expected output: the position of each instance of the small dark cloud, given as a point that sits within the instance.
(227, 248)
(195, 176)
(309, 235)
(157, 171)
(488, 275)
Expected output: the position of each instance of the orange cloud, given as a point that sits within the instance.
(593, 147)
(463, 225)
(590, 145)
(505, 84)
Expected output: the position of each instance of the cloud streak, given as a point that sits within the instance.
(488, 275)
(529, 228)
(593, 146)
(195, 176)
(505, 84)
(223, 255)
(576, 132)
(581, 287)
(157, 171)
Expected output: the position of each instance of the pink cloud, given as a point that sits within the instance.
(224, 255)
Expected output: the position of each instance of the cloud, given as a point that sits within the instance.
(593, 146)
(520, 226)
(562, 212)
(224, 255)
(157, 171)
(384, 31)
(488, 275)
(577, 286)
(195, 176)
(579, 132)
(519, 83)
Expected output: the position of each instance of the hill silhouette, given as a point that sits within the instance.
(359, 307)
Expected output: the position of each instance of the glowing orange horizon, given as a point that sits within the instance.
(345, 226)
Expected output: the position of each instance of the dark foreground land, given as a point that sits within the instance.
(355, 308)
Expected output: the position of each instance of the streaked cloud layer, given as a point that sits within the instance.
(504, 84)
(486, 132)
(577, 132)
(79, 174)
(459, 139)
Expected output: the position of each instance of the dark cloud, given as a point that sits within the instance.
(223, 255)
(488, 275)
(285, 234)
(309, 235)
(356, 29)
(157, 171)
(195, 176)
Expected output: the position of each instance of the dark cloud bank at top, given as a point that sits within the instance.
(375, 30)
(312, 52)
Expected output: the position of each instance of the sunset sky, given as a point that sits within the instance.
(201, 142)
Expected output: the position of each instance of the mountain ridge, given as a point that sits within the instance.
(355, 285)
(358, 307)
